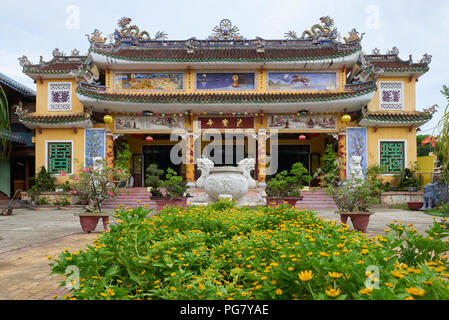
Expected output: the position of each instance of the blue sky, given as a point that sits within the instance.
(35, 28)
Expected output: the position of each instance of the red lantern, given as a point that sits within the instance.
(149, 139)
(302, 137)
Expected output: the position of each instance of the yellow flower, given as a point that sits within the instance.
(137, 201)
(172, 288)
(429, 283)
(201, 287)
(49, 257)
(68, 258)
(366, 291)
(278, 292)
(305, 275)
(219, 294)
(290, 268)
(173, 274)
(397, 274)
(333, 293)
(364, 251)
(335, 274)
(390, 285)
(324, 254)
(415, 291)
(409, 298)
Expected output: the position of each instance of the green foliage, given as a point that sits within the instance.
(123, 158)
(5, 144)
(288, 183)
(205, 253)
(410, 178)
(329, 174)
(372, 174)
(355, 196)
(43, 182)
(153, 179)
(443, 138)
(223, 204)
(42, 201)
(96, 185)
(175, 186)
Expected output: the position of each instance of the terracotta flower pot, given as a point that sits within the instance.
(161, 202)
(178, 202)
(415, 205)
(89, 223)
(360, 221)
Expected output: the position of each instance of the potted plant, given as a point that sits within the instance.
(153, 180)
(175, 188)
(410, 180)
(96, 184)
(353, 199)
(286, 186)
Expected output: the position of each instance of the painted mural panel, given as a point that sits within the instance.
(225, 81)
(140, 123)
(139, 81)
(302, 81)
(94, 145)
(356, 140)
(303, 123)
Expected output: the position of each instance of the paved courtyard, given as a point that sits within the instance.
(29, 237)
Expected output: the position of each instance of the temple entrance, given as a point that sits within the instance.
(289, 155)
(160, 155)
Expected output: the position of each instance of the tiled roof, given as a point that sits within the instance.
(16, 85)
(55, 119)
(58, 65)
(416, 118)
(392, 63)
(12, 137)
(226, 54)
(230, 98)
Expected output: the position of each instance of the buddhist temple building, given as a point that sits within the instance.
(278, 101)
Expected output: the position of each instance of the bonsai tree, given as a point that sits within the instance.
(288, 183)
(174, 185)
(96, 185)
(153, 179)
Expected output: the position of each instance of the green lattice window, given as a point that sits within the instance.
(59, 157)
(392, 156)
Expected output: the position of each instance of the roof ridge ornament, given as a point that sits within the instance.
(318, 32)
(132, 32)
(427, 59)
(24, 61)
(393, 52)
(432, 109)
(225, 31)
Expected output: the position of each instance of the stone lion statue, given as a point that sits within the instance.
(356, 169)
(204, 165)
(248, 165)
(434, 193)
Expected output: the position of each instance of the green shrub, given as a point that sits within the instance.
(288, 183)
(175, 186)
(43, 182)
(42, 201)
(262, 253)
(153, 179)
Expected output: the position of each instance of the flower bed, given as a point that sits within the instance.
(222, 252)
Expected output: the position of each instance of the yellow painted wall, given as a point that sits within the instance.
(409, 95)
(42, 97)
(425, 167)
(62, 135)
(391, 134)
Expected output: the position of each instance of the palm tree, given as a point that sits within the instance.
(5, 145)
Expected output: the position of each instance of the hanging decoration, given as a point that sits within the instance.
(108, 119)
(346, 118)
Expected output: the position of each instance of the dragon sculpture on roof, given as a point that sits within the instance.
(325, 29)
(133, 31)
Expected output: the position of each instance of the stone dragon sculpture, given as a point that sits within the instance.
(204, 165)
(317, 30)
(248, 165)
(133, 31)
